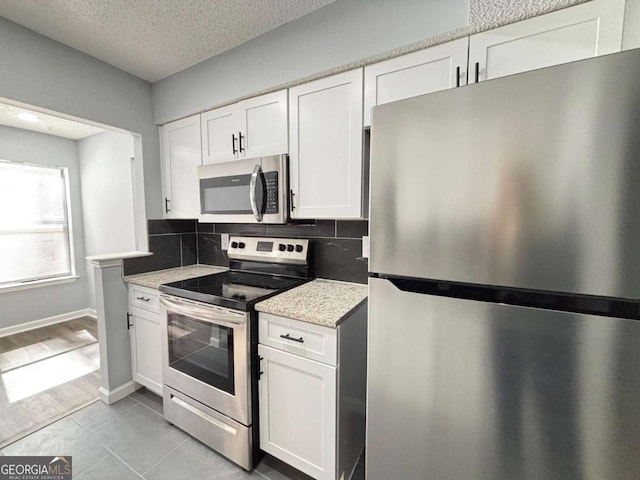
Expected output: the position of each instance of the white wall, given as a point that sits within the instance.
(631, 38)
(341, 33)
(42, 302)
(41, 72)
(107, 192)
(106, 176)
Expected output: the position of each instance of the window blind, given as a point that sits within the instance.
(34, 223)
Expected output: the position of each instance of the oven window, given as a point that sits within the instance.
(201, 350)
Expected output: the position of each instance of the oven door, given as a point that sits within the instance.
(244, 191)
(205, 355)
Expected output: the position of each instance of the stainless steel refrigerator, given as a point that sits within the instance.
(504, 308)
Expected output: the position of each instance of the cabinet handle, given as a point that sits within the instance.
(260, 372)
(144, 299)
(166, 205)
(457, 77)
(240, 137)
(289, 337)
(233, 144)
(129, 324)
(291, 199)
(477, 67)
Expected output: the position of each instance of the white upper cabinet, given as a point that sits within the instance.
(181, 157)
(436, 68)
(325, 147)
(264, 125)
(252, 128)
(587, 30)
(220, 134)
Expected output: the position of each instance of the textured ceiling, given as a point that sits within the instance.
(45, 123)
(153, 39)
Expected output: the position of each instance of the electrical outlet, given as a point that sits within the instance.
(224, 238)
(365, 247)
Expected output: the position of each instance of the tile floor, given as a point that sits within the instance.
(131, 440)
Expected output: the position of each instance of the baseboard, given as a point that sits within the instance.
(91, 312)
(112, 396)
(43, 322)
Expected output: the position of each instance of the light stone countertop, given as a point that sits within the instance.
(158, 277)
(323, 302)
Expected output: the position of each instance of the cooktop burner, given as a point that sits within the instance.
(260, 268)
(232, 289)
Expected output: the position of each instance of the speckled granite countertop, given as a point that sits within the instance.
(158, 277)
(323, 302)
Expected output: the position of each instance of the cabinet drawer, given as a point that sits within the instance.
(143, 297)
(300, 338)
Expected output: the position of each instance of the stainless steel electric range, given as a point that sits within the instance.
(210, 360)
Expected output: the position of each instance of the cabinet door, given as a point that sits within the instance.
(220, 128)
(326, 147)
(264, 125)
(298, 412)
(436, 68)
(583, 31)
(146, 342)
(180, 161)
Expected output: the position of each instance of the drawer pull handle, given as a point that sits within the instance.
(144, 299)
(289, 337)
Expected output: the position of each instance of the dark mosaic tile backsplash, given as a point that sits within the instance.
(336, 245)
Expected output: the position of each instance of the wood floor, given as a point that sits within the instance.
(46, 374)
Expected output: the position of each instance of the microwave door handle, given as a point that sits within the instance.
(252, 192)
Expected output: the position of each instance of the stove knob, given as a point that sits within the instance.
(289, 248)
(234, 244)
(241, 245)
(282, 247)
(298, 248)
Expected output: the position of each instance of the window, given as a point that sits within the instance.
(34, 224)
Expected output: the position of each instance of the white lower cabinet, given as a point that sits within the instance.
(312, 393)
(145, 336)
(298, 411)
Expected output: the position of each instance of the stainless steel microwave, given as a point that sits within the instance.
(254, 190)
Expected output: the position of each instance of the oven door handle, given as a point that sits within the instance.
(202, 313)
(252, 192)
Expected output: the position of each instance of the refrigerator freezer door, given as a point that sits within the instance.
(527, 181)
(465, 389)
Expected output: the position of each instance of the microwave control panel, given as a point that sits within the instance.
(280, 250)
(271, 181)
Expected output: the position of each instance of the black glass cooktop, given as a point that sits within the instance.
(232, 289)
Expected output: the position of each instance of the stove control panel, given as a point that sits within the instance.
(276, 250)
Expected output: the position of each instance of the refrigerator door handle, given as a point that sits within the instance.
(575, 303)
